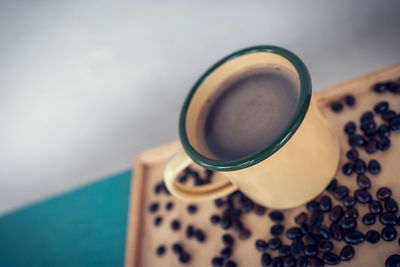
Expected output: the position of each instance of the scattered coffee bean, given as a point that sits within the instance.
(183, 179)
(192, 209)
(341, 192)
(371, 146)
(348, 224)
(316, 219)
(348, 168)
(370, 133)
(324, 232)
(261, 245)
(259, 210)
(363, 181)
(350, 100)
(372, 236)
(394, 124)
(219, 203)
(200, 236)
(297, 247)
(228, 240)
(275, 243)
(265, 259)
(157, 220)
(393, 87)
(169, 205)
(384, 144)
(362, 196)
(301, 218)
(393, 261)
(276, 216)
(294, 233)
(325, 203)
(349, 201)
(388, 115)
(310, 250)
(368, 219)
(360, 167)
(366, 116)
(215, 219)
(383, 193)
(351, 213)
(312, 239)
(325, 246)
(354, 237)
(289, 261)
(277, 229)
(375, 207)
(383, 131)
(352, 154)
(277, 262)
(368, 124)
(347, 253)
(391, 205)
(388, 233)
(226, 222)
(190, 231)
(175, 225)
(160, 250)
(285, 251)
(356, 140)
(350, 128)
(331, 258)
(158, 188)
(332, 186)
(217, 262)
(316, 262)
(336, 213)
(184, 257)
(388, 218)
(381, 107)
(306, 228)
(153, 207)
(177, 248)
(237, 225)
(230, 263)
(312, 205)
(226, 253)
(244, 234)
(302, 261)
(336, 106)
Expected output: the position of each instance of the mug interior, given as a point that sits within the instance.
(220, 72)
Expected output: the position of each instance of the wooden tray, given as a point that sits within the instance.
(143, 237)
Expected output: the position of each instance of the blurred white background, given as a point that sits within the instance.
(86, 85)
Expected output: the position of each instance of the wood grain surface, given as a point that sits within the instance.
(143, 238)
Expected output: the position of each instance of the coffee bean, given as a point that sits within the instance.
(360, 167)
(190, 231)
(336, 213)
(381, 107)
(371, 147)
(388, 218)
(160, 250)
(306, 228)
(348, 168)
(289, 261)
(394, 124)
(215, 219)
(302, 261)
(259, 210)
(350, 128)
(217, 262)
(325, 246)
(341, 192)
(391, 205)
(301, 218)
(297, 247)
(192, 209)
(294, 233)
(235, 213)
(393, 261)
(244, 234)
(219, 203)
(368, 219)
(352, 154)
(347, 253)
(370, 133)
(332, 185)
(351, 213)
(246, 205)
(265, 260)
(230, 263)
(158, 188)
(169, 205)
(312, 205)
(363, 181)
(348, 224)
(277, 229)
(226, 222)
(316, 219)
(184, 257)
(226, 252)
(276, 216)
(354, 237)
(285, 251)
(177, 248)
(227, 239)
(362, 196)
(388, 233)
(379, 87)
(182, 179)
(325, 203)
(388, 115)
(383, 193)
(384, 144)
(200, 236)
(175, 225)
(153, 207)
(312, 239)
(275, 243)
(336, 106)
(349, 201)
(372, 236)
(366, 116)
(356, 140)
(277, 262)
(331, 258)
(324, 232)
(261, 245)
(157, 220)
(393, 87)
(237, 225)
(310, 250)
(316, 262)
(368, 124)
(383, 131)
(350, 100)
(375, 207)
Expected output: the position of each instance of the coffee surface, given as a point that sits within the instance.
(247, 112)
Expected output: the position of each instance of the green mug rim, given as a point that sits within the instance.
(283, 137)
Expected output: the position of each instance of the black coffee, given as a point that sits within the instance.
(247, 112)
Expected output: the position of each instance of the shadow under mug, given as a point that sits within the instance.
(290, 171)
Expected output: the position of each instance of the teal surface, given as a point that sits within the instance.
(86, 227)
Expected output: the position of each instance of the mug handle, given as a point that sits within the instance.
(193, 193)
